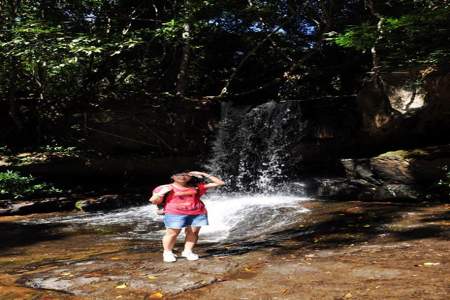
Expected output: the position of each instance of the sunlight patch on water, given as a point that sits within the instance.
(245, 216)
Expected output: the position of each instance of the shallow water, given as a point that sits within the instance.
(231, 217)
(104, 255)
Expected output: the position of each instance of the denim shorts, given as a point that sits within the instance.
(180, 221)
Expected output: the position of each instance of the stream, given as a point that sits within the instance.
(231, 216)
(255, 245)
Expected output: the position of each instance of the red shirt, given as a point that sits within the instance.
(188, 203)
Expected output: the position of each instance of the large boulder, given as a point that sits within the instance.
(108, 202)
(403, 174)
(74, 202)
(422, 166)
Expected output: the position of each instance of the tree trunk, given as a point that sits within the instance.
(12, 88)
(181, 83)
(12, 85)
(376, 66)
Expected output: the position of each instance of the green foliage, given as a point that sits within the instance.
(60, 150)
(359, 37)
(62, 58)
(445, 182)
(12, 184)
(414, 34)
(170, 30)
(80, 204)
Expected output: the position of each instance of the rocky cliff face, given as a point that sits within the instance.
(145, 143)
(405, 109)
(399, 110)
(165, 128)
(307, 137)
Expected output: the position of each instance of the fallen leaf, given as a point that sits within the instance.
(66, 273)
(348, 296)
(122, 286)
(156, 295)
(247, 269)
(114, 258)
(367, 225)
(151, 277)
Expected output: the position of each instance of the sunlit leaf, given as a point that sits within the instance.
(156, 295)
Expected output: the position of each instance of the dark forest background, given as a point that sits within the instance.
(127, 91)
(61, 59)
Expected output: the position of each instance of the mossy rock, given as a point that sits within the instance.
(405, 154)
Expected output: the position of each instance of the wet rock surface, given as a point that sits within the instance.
(41, 205)
(75, 202)
(108, 202)
(351, 250)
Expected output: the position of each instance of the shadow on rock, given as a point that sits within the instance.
(16, 235)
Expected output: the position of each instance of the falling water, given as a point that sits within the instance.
(253, 146)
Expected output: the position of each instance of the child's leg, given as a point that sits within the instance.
(170, 238)
(191, 237)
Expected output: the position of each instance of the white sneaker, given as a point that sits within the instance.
(189, 255)
(169, 257)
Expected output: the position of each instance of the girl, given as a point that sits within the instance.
(183, 209)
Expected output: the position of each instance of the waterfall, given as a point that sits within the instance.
(253, 153)
(253, 148)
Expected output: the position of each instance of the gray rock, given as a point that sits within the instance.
(107, 202)
(345, 189)
(38, 206)
(289, 269)
(376, 273)
(397, 191)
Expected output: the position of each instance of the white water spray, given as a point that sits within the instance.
(231, 217)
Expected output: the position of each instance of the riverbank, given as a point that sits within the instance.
(349, 250)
